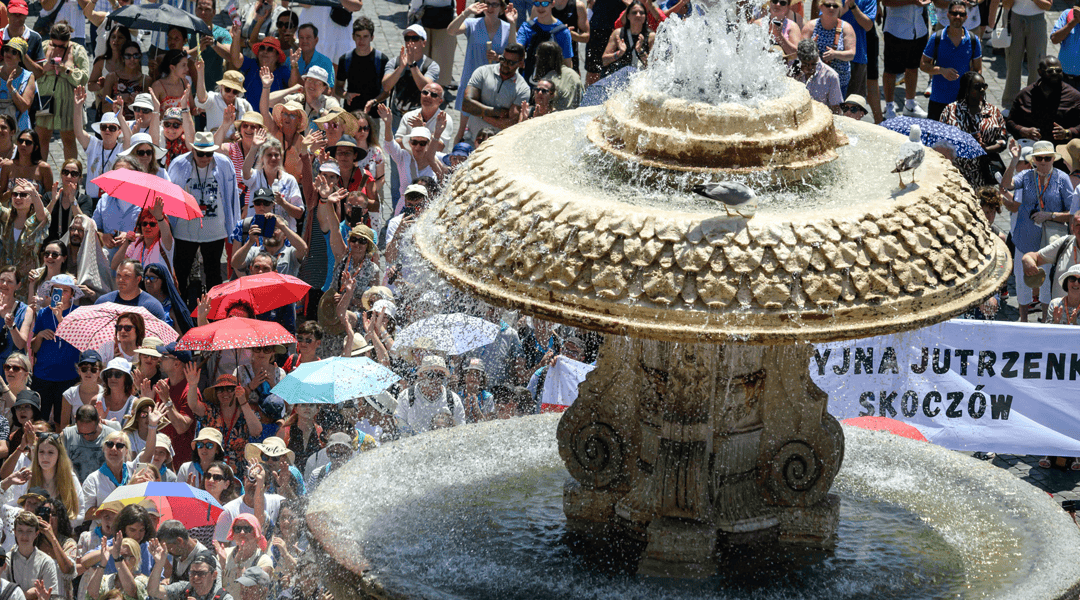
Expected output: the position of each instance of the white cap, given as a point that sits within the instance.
(418, 30)
(318, 73)
(420, 132)
(330, 167)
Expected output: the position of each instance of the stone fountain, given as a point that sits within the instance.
(700, 431)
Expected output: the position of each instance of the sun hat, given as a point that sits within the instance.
(232, 79)
(163, 441)
(143, 138)
(119, 364)
(462, 149)
(18, 7)
(108, 118)
(327, 316)
(1070, 154)
(417, 29)
(384, 402)
(18, 44)
(292, 107)
(384, 306)
(348, 141)
(374, 293)
(271, 446)
(1044, 148)
(133, 413)
(433, 362)
(253, 576)
(250, 520)
(203, 142)
(143, 100)
(420, 132)
(476, 364)
(272, 42)
(350, 125)
(209, 434)
(149, 347)
(858, 100)
(28, 398)
(330, 167)
(173, 114)
(1073, 271)
(365, 232)
(360, 345)
(417, 188)
(64, 280)
(90, 356)
(339, 439)
(252, 117)
(318, 74)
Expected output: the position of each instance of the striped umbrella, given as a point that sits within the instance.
(176, 500)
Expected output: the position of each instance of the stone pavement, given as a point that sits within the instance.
(389, 18)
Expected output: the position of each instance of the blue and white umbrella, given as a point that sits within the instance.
(334, 380)
(451, 334)
(934, 131)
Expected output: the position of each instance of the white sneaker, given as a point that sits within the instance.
(929, 89)
(890, 110)
(915, 111)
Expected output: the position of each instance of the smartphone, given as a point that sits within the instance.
(44, 511)
(57, 296)
(265, 223)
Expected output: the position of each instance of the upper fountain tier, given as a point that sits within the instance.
(784, 135)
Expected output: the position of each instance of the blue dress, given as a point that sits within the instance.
(826, 38)
(476, 50)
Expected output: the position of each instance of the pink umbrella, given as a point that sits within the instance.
(91, 327)
(140, 189)
(235, 332)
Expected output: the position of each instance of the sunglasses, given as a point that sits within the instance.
(144, 152)
(434, 375)
(228, 90)
(262, 202)
(133, 56)
(214, 476)
(172, 125)
(429, 93)
(114, 375)
(20, 194)
(118, 445)
(206, 446)
(201, 154)
(780, 2)
(542, 3)
(957, 14)
(307, 340)
(833, 6)
(413, 38)
(286, 25)
(541, 90)
(363, 128)
(508, 61)
(142, 110)
(148, 224)
(13, 368)
(1043, 158)
(125, 327)
(70, 173)
(150, 278)
(44, 436)
(420, 143)
(51, 254)
(89, 368)
(268, 458)
(1054, 70)
(263, 350)
(109, 128)
(243, 529)
(356, 240)
(26, 142)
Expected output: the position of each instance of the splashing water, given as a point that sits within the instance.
(713, 56)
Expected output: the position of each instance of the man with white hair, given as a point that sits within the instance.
(419, 404)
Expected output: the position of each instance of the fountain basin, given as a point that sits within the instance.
(475, 512)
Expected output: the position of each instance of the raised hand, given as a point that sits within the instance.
(477, 8)
(295, 57)
(161, 390)
(158, 210)
(156, 414)
(80, 95)
(266, 76)
(384, 112)
(200, 66)
(21, 476)
(146, 388)
(260, 137)
(114, 548)
(118, 105)
(229, 116)
(204, 306)
(511, 13)
(192, 373)
(339, 195)
(158, 550)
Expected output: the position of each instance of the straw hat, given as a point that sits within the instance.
(271, 446)
(143, 138)
(365, 232)
(360, 345)
(252, 117)
(1044, 148)
(133, 414)
(350, 125)
(433, 362)
(232, 79)
(374, 293)
(149, 346)
(1070, 154)
(327, 316)
(292, 107)
(203, 142)
(209, 434)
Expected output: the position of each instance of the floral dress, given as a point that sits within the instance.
(987, 127)
(21, 252)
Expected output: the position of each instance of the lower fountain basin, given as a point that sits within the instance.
(476, 512)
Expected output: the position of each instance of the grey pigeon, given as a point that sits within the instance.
(738, 199)
(911, 155)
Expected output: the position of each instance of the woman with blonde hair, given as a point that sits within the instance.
(52, 470)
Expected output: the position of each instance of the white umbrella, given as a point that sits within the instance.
(451, 334)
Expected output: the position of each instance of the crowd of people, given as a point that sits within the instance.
(283, 123)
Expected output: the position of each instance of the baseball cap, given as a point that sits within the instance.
(253, 576)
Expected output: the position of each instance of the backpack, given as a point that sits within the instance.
(8, 590)
(379, 58)
(449, 398)
(539, 36)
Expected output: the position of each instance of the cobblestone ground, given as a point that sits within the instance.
(389, 19)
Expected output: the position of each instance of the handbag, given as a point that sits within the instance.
(1001, 37)
(340, 16)
(45, 22)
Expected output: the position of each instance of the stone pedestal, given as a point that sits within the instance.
(706, 444)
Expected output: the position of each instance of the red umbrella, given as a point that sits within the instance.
(265, 292)
(235, 332)
(886, 424)
(140, 189)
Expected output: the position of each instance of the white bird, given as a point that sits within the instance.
(739, 200)
(911, 155)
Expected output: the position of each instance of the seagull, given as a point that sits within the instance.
(739, 200)
(910, 156)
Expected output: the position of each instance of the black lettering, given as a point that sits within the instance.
(955, 398)
(963, 355)
(921, 368)
(931, 397)
(1074, 366)
(1055, 366)
(888, 361)
(843, 369)
(987, 358)
(885, 404)
(866, 400)
(864, 360)
(1031, 364)
(821, 359)
(941, 366)
(1009, 370)
(1000, 404)
(909, 403)
(977, 403)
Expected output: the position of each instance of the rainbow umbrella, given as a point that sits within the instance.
(174, 500)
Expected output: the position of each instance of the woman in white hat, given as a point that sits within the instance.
(147, 154)
(101, 153)
(229, 93)
(1066, 309)
(1043, 212)
(263, 168)
(119, 395)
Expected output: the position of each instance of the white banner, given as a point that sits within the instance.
(966, 385)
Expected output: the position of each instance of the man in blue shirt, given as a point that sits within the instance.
(949, 54)
(1066, 35)
(54, 358)
(128, 277)
(306, 56)
(541, 29)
